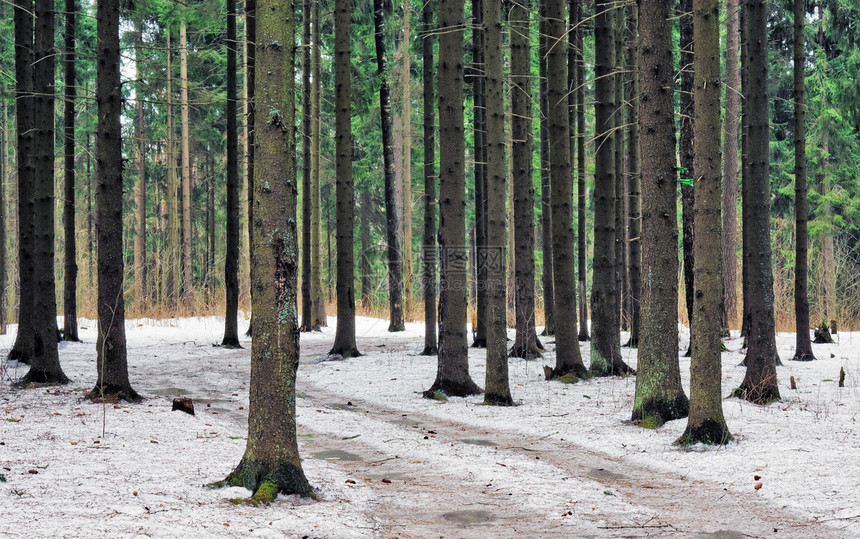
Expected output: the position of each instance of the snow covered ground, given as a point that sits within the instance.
(385, 462)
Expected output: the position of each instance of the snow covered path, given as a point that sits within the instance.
(386, 462)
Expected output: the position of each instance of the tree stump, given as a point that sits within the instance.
(183, 404)
(822, 334)
(833, 327)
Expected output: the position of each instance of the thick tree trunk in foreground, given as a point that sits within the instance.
(395, 269)
(760, 383)
(22, 350)
(231, 258)
(344, 338)
(659, 394)
(568, 359)
(452, 375)
(497, 389)
(271, 463)
(525, 343)
(429, 252)
(111, 362)
(70, 280)
(45, 365)
(730, 167)
(605, 330)
(705, 423)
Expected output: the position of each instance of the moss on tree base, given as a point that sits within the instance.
(760, 394)
(601, 366)
(492, 399)
(710, 432)
(527, 351)
(266, 482)
(659, 411)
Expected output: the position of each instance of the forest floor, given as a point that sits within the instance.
(384, 462)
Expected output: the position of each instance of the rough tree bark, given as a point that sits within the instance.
(317, 297)
(480, 151)
(307, 300)
(546, 194)
(45, 364)
(344, 339)
(705, 422)
(452, 375)
(22, 350)
(605, 330)
(429, 252)
(187, 280)
(685, 148)
(760, 383)
(730, 167)
(407, 167)
(111, 360)
(497, 389)
(526, 344)
(271, 463)
(250, 84)
(70, 280)
(174, 275)
(634, 179)
(231, 258)
(581, 195)
(659, 394)
(568, 359)
(395, 267)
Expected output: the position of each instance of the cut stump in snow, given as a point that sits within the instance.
(183, 404)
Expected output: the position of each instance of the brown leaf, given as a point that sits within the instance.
(758, 485)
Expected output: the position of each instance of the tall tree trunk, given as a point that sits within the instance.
(22, 350)
(745, 172)
(271, 463)
(4, 149)
(705, 422)
(231, 258)
(659, 394)
(317, 296)
(365, 249)
(70, 280)
(174, 275)
(407, 167)
(429, 253)
(452, 375)
(567, 355)
(210, 235)
(395, 269)
(45, 366)
(620, 119)
(250, 84)
(91, 244)
(307, 54)
(828, 295)
(546, 195)
(686, 150)
(111, 360)
(187, 280)
(634, 178)
(140, 190)
(344, 339)
(760, 384)
(525, 343)
(581, 195)
(803, 349)
(730, 167)
(605, 330)
(480, 152)
(497, 389)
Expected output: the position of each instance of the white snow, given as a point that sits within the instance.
(135, 470)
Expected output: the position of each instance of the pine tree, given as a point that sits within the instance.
(429, 253)
(70, 279)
